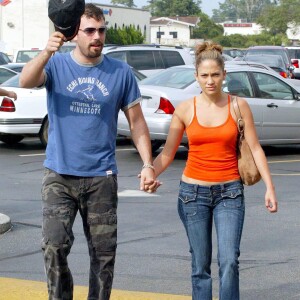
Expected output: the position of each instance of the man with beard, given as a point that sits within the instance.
(85, 91)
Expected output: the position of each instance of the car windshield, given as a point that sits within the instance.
(12, 82)
(178, 78)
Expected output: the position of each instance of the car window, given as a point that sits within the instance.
(26, 55)
(159, 64)
(5, 75)
(176, 78)
(12, 82)
(237, 83)
(120, 55)
(141, 60)
(171, 58)
(294, 53)
(271, 87)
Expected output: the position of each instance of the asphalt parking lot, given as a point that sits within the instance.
(153, 261)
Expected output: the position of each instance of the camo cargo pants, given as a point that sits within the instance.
(96, 199)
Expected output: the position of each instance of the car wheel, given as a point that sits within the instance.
(155, 145)
(43, 135)
(11, 139)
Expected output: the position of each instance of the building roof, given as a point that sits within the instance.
(188, 21)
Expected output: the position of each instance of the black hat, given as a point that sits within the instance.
(66, 15)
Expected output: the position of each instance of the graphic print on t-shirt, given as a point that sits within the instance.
(86, 89)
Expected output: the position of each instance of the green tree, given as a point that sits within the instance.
(163, 8)
(245, 41)
(124, 36)
(275, 18)
(232, 10)
(127, 3)
(207, 29)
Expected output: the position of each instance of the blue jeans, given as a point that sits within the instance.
(199, 206)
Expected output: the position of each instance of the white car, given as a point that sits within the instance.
(27, 116)
(25, 55)
(275, 101)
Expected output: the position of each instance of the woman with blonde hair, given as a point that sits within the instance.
(210, 188)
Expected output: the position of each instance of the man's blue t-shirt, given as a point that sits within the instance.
(83, 103)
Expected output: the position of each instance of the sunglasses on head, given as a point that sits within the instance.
(92, 30)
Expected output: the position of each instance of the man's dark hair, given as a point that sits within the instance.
(93, 11)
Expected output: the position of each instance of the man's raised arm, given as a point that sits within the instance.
(32, 74)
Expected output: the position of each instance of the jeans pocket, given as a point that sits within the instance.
(187, 196)
(233, 198)
(188, 202)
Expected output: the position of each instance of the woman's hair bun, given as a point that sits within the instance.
(208, 46)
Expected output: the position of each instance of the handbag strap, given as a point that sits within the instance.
(240, 121)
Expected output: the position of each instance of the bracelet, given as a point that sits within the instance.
(148, 166)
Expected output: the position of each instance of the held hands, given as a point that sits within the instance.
(148, 183)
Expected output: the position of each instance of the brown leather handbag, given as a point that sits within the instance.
(246, 164)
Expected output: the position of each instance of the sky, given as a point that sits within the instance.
(207, 5)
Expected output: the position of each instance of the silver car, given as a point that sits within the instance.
(275, 101)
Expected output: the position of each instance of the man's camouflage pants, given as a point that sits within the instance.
(96, 199)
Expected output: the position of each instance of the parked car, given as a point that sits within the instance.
(150, 59)
(9, 70)
(275, 50)
(247, 63)
(274, 101)
(25, 55)
(227, 57)
(27, 116)
(67, 47)
(294, 53)
(273, 61)
(234, 52)
(4, 58)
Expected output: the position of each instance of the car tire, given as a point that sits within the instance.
(43, 135)
(155, 145)
(11, 139)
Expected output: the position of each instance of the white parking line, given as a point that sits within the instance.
(285, 174)
(283, 161)
(27, 155)
(126, 149)
(136, 193)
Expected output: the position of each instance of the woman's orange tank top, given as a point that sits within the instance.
(212, 150)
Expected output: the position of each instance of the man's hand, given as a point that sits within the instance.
(55, 41)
